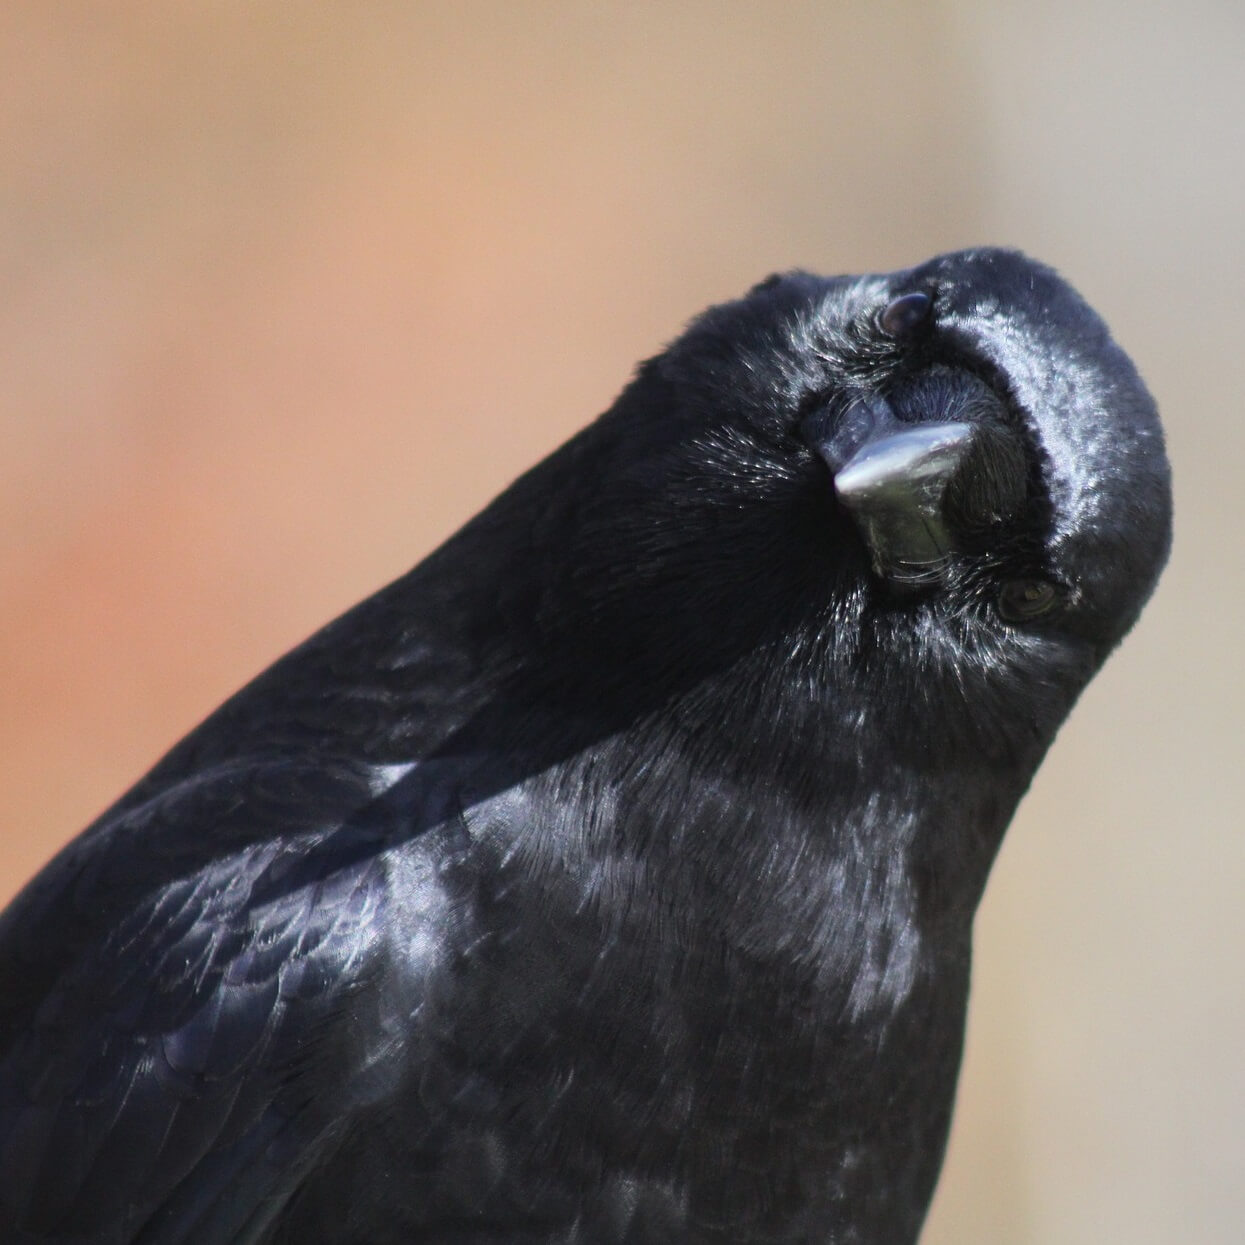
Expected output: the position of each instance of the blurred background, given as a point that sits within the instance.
(288, 291)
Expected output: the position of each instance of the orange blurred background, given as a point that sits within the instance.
(289, 291)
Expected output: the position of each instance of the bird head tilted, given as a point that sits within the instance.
(948, 469)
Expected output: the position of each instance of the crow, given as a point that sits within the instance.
(609, 878)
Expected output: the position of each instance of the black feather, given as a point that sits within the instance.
(610, 877)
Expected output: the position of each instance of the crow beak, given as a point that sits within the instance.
(892, 478)
(893, 487)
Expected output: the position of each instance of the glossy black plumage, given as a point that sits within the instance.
(609, 878)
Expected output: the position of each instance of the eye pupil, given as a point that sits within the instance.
(1022, 599)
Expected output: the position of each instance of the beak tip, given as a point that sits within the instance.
(920, 455)
(893, 487)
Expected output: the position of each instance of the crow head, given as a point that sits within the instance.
(943, 486)
(987, 443)
(962, 437)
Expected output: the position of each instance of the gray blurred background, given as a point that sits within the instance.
(288, 291)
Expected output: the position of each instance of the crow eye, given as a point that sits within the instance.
(902, 316)
(1023, 599)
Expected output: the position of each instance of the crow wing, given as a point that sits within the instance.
(171, 1026)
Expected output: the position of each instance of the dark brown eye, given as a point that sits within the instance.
(902, 316)
(1023, 599)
